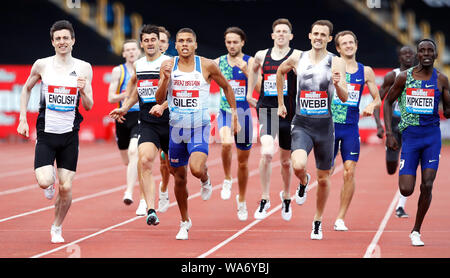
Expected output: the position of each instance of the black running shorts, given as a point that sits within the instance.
(60, 147)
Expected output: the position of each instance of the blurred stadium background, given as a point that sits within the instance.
(101, 26)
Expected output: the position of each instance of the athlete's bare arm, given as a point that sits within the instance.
(443, 85)
(164, 78)
(285, 67)
(113, 96)
(338, 76)
(373, 89)
(392, 95)
(130, 97)
(84, 85)
(33, 78)
(246, 71)
(388, 80)
(254, 75)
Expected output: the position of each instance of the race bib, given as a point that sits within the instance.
(186, 101)
(239, 89)
(61, 98)
(353, 96)
(270, 85)
(313, 102)
(146, 89)
(419, 101)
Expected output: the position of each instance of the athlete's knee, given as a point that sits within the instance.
(226, 147)
(243, 164)
(45, 180)
(405, 189)
(286, 163)
(146, 161)
(266, 158)
(197, 170)
(132, 151)
(65, 189)
(298, 165)
(349, 173)
(426, 187)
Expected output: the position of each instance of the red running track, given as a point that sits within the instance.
(99, 225)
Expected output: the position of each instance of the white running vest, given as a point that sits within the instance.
(60, 97)
(188, 97)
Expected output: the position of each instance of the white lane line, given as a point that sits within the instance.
(373, 246)
(251, 173)
(31, 170)
(101, 193)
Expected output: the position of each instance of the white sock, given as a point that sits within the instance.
(401, 201)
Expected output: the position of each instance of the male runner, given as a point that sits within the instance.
(127, 132)
(185, 81)
(406, 60)
(418, 90)
(164, 36)
(319, 74)
(346, 117)
(65, 80)
(234, 66)
(271, 125)
(153, 117)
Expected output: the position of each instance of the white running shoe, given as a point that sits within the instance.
(300, 193)
(226, 189)
(242, 212)
(56, 234)
(286, 211)
(142, 208)
(184, 228)
(163, 203)
(261, 211)
(316, 232)
(127, 198)
(339, 225)
(49, 192)
(415, 239)
(206, 189)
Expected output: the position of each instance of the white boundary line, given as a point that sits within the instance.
(373, 245)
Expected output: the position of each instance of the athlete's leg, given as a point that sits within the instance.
(348, 188)
(45, 176)
(242, 172)
(147, 155)
(227, 154)
(64, 198)
(286, 171)
(265, 169)
(165, 170)
(132, 159)
(181, 191)
(197, 164)
(323, 190)
(426, 187)
(299, 158)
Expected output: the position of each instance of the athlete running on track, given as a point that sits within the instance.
(346, 117)
(234, 66)
(406, 60)
(319, 74)
(65, 81)
(271, 125)
(419, 91)
(185, 81)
